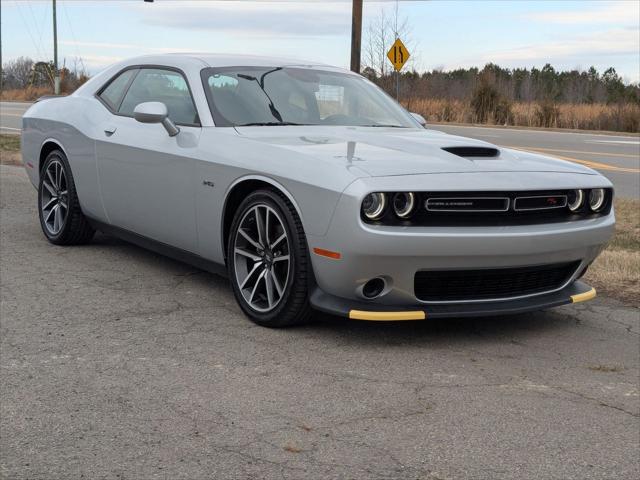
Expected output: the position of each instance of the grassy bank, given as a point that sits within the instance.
(616, 272)
(24, 94)
(10, 150)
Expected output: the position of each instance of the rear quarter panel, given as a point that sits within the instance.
(70, 122)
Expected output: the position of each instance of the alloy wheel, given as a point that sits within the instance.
(262, 258)
(54, 199)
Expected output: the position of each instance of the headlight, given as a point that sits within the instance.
(596, 199)
(575, 200)
(373, 205)
(403, 204)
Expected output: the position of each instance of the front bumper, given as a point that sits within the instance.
(357, 310)
(396, 253)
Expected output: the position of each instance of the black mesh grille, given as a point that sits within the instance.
(452, 285)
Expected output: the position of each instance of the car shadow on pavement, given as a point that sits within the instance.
(355, 331)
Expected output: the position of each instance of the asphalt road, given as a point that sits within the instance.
(119, 363)
(616, 157)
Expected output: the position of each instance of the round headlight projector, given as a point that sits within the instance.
(596, 199)
(373, 205)
(403, 204)
(575, 200)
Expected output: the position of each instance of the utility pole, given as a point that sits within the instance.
(356, 35)
(56, 73)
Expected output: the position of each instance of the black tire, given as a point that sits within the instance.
(293, 307)
(75, 229)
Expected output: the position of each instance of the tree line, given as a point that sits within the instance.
(544, 84)
(23, 73)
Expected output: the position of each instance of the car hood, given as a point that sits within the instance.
(382, 152)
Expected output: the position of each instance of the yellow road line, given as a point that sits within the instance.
(588, 163)
(386, 316)
(582, 297)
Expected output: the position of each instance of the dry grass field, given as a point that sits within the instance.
(615, 273)
(24, 94)
(595, 116)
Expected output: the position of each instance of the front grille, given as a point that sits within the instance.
(491, 208)
(455, 285)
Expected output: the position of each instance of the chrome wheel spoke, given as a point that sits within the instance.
(52, 201)
(51, 189)
(57, 222)
(281, 258)
(51, 179)
(278, 240)
(246, 236)
(269, 287)
(255, 286)
(249, 275)
(249, 255)
(260, 226)
(51, 212)
(276, 283)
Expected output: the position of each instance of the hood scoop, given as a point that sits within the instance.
(479, 152)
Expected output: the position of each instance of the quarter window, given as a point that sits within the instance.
(166, 86)
(113, 93)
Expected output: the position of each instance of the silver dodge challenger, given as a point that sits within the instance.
(311, 189)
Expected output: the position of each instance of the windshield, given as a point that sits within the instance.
(245, 96)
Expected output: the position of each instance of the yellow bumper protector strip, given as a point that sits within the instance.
(386, 316)
(582, 297)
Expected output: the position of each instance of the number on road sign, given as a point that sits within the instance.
(398, 55)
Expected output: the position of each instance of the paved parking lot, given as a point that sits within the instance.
(118, 363)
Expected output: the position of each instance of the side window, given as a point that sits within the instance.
(166, 86)
(115, 90)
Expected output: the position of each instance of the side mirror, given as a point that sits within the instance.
(155, 112)
(419, 118)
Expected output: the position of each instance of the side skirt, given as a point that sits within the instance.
(161, 248)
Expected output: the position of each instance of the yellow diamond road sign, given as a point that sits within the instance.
(398, 55)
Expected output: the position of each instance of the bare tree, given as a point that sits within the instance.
(17, 73)
(380, 34)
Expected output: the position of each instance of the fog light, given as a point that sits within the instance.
(373, 288)
(596, 199)
(403, 204)
(575, 200)
(373, 205)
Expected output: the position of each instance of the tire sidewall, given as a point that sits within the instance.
(273, 200)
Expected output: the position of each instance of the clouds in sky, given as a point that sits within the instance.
(254, 18)
(448, 33)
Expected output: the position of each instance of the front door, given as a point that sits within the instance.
(147, 177)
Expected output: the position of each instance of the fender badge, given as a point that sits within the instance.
(207, 183)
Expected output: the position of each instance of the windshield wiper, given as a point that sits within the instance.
(274, 111)
(266, 124)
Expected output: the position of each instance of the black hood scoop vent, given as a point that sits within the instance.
(466, 152)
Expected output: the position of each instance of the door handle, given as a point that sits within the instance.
(109, 131)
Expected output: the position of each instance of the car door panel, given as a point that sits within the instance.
(147, 181)
(146, 176)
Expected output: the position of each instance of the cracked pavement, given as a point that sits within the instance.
(118, 363)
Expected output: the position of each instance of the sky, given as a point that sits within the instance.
(445, 34)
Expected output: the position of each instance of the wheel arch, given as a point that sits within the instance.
(238, 190)
(48, 146)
